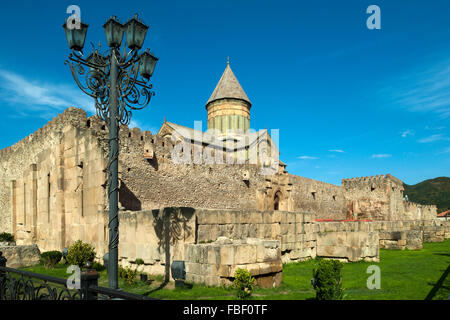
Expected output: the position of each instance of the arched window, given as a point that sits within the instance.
(276, 201)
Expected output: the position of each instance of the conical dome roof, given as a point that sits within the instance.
(228, 87)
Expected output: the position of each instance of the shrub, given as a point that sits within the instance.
(128, 274)
(244, 283)
(5, 236)
(50, 258)
(80, 253)
(121, 272)
(327, 280)
(139, 262)
(98, 266)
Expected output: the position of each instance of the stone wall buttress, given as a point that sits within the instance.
(60, 206)
(13, 207)
(33, 199)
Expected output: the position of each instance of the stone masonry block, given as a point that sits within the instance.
(204, 233)
(256, 217)
(265, 268)
(207, 217)
(253, 268)
(284, 228)
(192, 267)
(276, 266)
(291, 217)
(276, 217)
(242, 254)
(267, 217)
(224, 271)
(244, 217)
(213, 254)
(212, 281)
(276, 230)
(227, 254)
(267, 231)
(260, 252)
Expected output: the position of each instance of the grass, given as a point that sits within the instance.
(405, 275)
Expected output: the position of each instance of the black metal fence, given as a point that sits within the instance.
(23, 285)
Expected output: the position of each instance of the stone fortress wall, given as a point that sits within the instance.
(53, 193)
(60, 170)
(144, 234)
(381, 198)
(53, 179)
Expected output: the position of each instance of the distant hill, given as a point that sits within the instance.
(433, 191)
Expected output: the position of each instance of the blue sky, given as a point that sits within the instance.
(348, 101)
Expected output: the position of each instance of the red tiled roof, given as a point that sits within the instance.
(443, 214)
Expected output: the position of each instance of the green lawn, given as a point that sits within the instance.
(404, 275)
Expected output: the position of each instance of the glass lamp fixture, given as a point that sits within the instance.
(135, 33)
(114, 32)
(147, 64)
(76, 36)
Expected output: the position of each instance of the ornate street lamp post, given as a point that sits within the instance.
(112, 79)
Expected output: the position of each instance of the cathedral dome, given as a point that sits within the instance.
(228, 107)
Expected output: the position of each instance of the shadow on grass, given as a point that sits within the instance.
(443, 254)
(438, 285)
(161, 286)
(186, 286)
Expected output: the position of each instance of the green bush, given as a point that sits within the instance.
(139, 261)
(327, 280)
(244, 283)
(5, 236)
(50, 258)
(98, 266)
(80, 253)
(121, 272)
(128, 274)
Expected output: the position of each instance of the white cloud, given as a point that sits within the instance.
(425, 90)
(432, 138)
(337, 150)
(382, 155)
(407, 133)
(142, 126)
(307, 158)
(30, 96)
(446, 150)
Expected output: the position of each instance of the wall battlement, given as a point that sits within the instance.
(78, 118)
(377, 180)
(410, 205)
(363, 179)
(72, 115)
